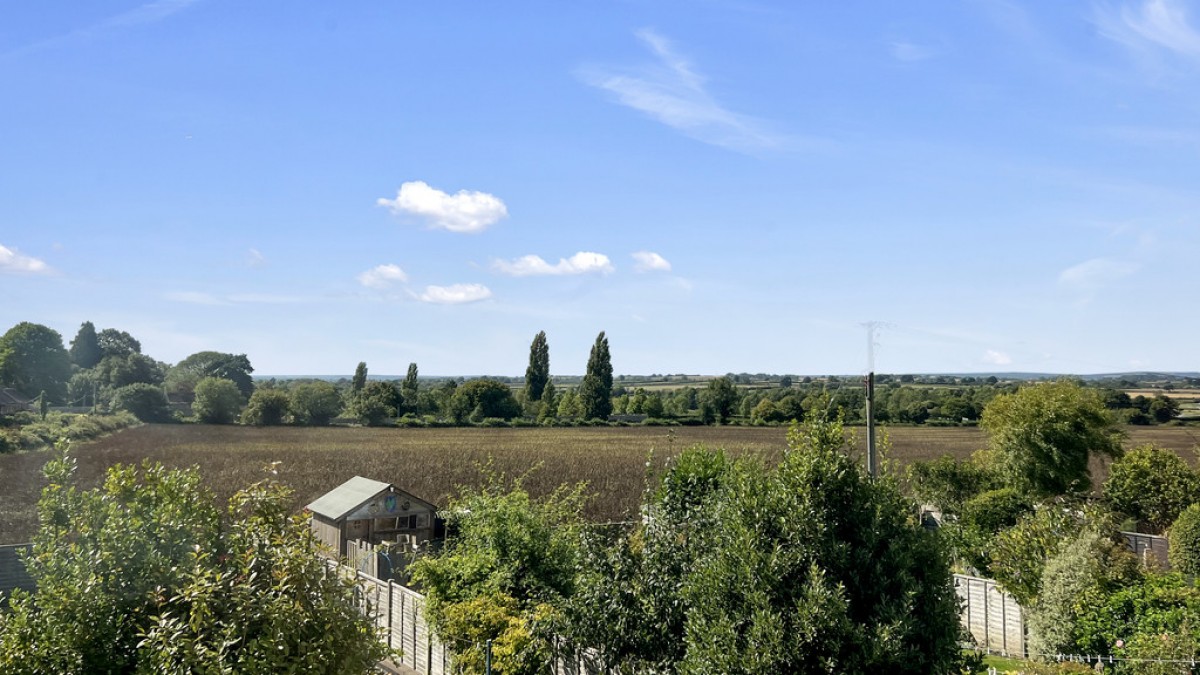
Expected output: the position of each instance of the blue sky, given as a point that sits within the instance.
(721, 186)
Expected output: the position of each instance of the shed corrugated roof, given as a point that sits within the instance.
(340, 501)
(9, 396)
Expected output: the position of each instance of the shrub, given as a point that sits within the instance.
(1184, 552)
(315, 403)
(267, 407)
(1019, 554)
(1153, 485)
(949, 483)
(146, 401)
(217, 401)
(994, 510)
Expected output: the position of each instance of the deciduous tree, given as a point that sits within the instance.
(315, 403)
(1044, 434)
(595, 391)
(218, 401)
(537, 374)
(33, 359)
(233, 367)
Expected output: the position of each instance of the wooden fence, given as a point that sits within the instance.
(12, 571)
(1149, 547)
(994, 618)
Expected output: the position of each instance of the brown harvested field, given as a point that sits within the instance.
(431, 462)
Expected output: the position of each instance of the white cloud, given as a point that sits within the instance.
(1162, 23)
(461, 212)
(584, 262)
(908, 51)
(12, 261)
(382, 276)
(456, 294)
(996, 358)
(649, 261)
(1096, 273)
(255, 259)
(194, 298)
(672, 92)
(145, 14)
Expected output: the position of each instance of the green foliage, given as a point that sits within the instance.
(484, 398)
(1044, 434)
(508, 561)
(1019, 553)
(314, 403)
(994, 510)
(374, 403)
(360, 377)
(1184, 535)
(115, 342)
(33, 359)
(85, 348)
(1153, 615)
(188, 373)
(145, 401)
(1153, 485)
(722, 396)
(58, 427)
(411, 385)
(267, 407)
(1082, 575)
(948, 483)
(144, 575)
(595, 390)
(119, 370)
(537, 374)
(217, 401)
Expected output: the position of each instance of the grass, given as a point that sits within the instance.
(431, 463)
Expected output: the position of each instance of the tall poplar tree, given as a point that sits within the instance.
(360, 377)
(595, 391)
(538, 372)
(85, 348)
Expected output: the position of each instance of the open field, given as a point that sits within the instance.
(432, 462)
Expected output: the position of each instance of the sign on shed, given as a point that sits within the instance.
(374, 512)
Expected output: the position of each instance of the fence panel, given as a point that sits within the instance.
(992, 616)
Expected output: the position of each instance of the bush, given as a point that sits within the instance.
(144, 574)
(1152, 485)
(315, 403)
(145, 401)
(1184, 552)
(217, 401)
(1019, 554)
(948, 483)
(267, 407)
(994, 510)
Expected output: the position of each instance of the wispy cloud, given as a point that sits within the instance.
(212, 300)
(456, 294)
(148, 13)
(382, 276)
(1162, 24)
(911, 52)
(1096, 273)
(673, 92)
(649, 261)
(255, 259)
(461, 212)
(584, 262)
(996, 358)
(13, 261)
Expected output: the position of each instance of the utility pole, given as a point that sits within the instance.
(872, 453)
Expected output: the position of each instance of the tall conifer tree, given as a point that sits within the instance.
(538, 372)
(595, 391)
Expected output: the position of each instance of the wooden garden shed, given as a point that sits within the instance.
(373, 512)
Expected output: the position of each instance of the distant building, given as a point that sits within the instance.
(362, 512)
(11, 401)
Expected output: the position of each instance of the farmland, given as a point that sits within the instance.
(432, 462)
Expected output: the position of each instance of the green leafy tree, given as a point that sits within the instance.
(1163, 409)
(377, 402)
(569, 405)
(236, 368)
(360, 377)
(948, 483)
(115, 342)
(410, 386)
(1184, 536)
(267, 407)
(145, 401)
(85, 348)
(143, 574)
(537, 375)
(33, 359)
(722, 396)
(595, 390)
(1153, 485)
(1044, 434)
(314, 403)
(501, 577)
(484, 398)
(118, 370)
(218, 401)
(1019, 553)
